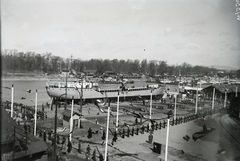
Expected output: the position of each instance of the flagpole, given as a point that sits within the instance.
(196, 102)
(71, 120)
(225, 100)
(117, 111)
(167, 137)
(12, 101)
(106, 145)
(236, 91)
(175, 107)
(150, 115)
(35, 116)
(213, 98)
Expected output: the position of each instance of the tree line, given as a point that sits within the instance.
(14, 61)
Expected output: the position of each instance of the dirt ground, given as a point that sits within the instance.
(221, 141)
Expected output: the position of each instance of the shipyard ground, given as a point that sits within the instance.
(220, 144)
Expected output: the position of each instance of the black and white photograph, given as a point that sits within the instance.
(120, 80)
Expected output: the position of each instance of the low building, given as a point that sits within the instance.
(221, 89)
(67, 117)
(89, 72)
(110, 74)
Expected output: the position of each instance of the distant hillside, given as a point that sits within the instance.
(224, 67)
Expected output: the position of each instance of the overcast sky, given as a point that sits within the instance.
(199, 32)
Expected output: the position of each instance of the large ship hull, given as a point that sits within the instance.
(91, 94)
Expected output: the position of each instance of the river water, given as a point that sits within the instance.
(21, 96)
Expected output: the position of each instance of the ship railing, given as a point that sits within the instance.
(63, 85)
(76, 85)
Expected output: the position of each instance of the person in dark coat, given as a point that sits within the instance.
(88, 150)
(147, 127)
(40, 133)
(150, 138)
(94, 156)
(25, 127)
(79, 147)
(63, 141)
(52, 140)
(103, 136)
(44, 135)
(69, 147)
(58, 139)
(143, 129)
(123, 133)
(128, 132)
(114, 139)
(49, 135)
(136, 121)
(101, 157)
(133, 131)
(89, 133)
(152, 126)
(137, 130)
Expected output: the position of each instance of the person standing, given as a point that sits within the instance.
(128, 132)
(89, 133)
(123, 133)
(79, 147)
(88, 151)
(44, 135)
(150, 138)
(103, 136)
(58, 139)
(49, 135)
(114, 139)
(94, 156)
(69, 147)
(101, 130)
(63, 141)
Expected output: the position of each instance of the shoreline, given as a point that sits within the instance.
(27, 79)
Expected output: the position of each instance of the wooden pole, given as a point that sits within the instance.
(150, 111)
(236, 91)
(196, 102)
(106, 145)
(71, 121)
(66, 90)
(117, 112)
(55, 129)
(175, 107)
(167, 138)
(225, 100)
(35, 116)
(213, 98)
(12, 101)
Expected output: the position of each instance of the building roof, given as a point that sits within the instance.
(89, 71)
(223, 87)
(67, 113)
(7, 127)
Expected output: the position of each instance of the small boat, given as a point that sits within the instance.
(92, 91)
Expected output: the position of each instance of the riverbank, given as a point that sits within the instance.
(39, 78)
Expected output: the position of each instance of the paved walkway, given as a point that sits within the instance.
(217, 145)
